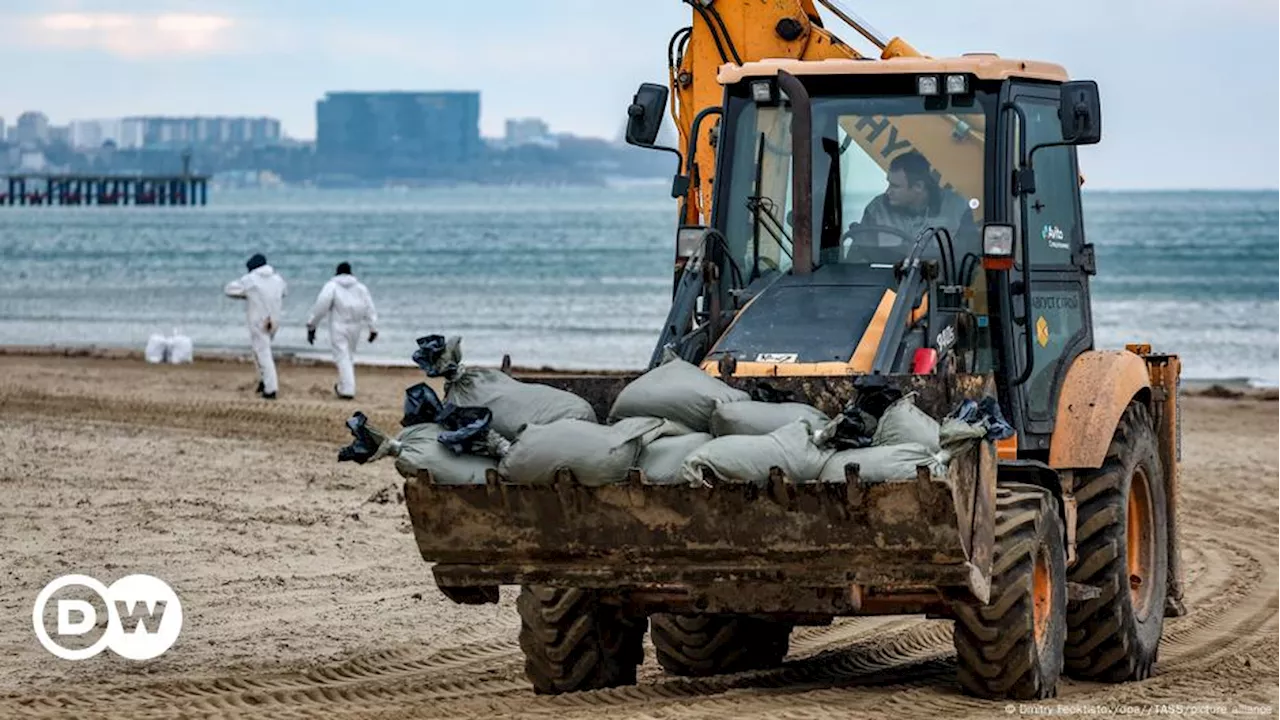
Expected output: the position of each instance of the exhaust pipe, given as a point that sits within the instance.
(801, 172)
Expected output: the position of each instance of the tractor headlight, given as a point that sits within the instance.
(928, 85)
(957, 84)
(997, 240)
(762, 91)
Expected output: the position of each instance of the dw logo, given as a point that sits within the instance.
(143, 613)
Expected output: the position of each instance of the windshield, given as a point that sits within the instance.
(885, 169)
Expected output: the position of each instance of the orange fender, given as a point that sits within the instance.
(1098, 388)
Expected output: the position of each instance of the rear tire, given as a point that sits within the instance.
(701, 645)
(1121, 541)
(572, 642)
(1011, 648)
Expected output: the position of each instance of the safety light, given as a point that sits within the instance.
(997, 246)
(957, 84)
(762, 91)
(927, 84)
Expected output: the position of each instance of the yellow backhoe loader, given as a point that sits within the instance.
(847, 225)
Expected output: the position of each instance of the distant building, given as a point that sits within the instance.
(60, 134)
(32, 129)
(405, 127)
(2, 130)
(91, 134)
(151, 132)
(528, 131)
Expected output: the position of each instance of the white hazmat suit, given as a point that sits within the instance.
(263, 289)
(349, 307)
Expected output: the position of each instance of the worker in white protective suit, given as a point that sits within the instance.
(263, 289)
(349, 307)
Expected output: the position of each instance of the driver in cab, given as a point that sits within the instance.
(912, 203)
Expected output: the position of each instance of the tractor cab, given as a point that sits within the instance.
(906, 216)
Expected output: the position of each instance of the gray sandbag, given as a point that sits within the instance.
(595, 454)
(748, 458)
(761, 418)
(884, 463)
(418, 448)
(676, 390)
(661, 459)
(956, 434)
(903, 422)
(514, 403)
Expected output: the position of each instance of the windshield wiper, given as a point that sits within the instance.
(774, 227)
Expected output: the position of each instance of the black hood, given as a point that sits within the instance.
(816, 317)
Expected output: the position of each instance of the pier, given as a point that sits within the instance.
(72, 189)
(104, 190)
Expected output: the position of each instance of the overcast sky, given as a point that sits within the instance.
(1189, 87)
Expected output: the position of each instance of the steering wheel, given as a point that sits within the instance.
(870, 251)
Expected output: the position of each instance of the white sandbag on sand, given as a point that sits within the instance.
(748, 458)
(417, 448)
(181, 350)
(675, 390)
(514, 403)
(884, 463)
(595, 454)
(661, 459)
(903, 422)
(157, 349)
(761, 418)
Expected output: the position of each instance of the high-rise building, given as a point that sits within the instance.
(181, 132)
(32, 129)
(425, 127)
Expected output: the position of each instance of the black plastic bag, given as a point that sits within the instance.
(764, 392)
(437, 356)
(854, 429)
(874, 398)
(365, 444)
(421, 405)
(466, 429)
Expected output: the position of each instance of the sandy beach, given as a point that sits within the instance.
(304, 594)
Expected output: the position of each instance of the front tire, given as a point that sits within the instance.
(701, 645)
(1011, 648)
(1121, 539)
(573, 642)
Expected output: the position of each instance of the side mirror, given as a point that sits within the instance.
(644, 121)
(644, 116)
(1081, 113)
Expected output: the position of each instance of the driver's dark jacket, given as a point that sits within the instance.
(948, 210)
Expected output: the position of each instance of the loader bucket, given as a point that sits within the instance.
(921, 531)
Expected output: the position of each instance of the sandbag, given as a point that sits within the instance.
(884, 463)
(676, 390)
(903, 422)
(661, 459)
(157, 349)
(748, 458)
(514, 403)
(595, 454)
(181, 350)
(965, 421)
(761, 418)
(418, 448)
(437, 356)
